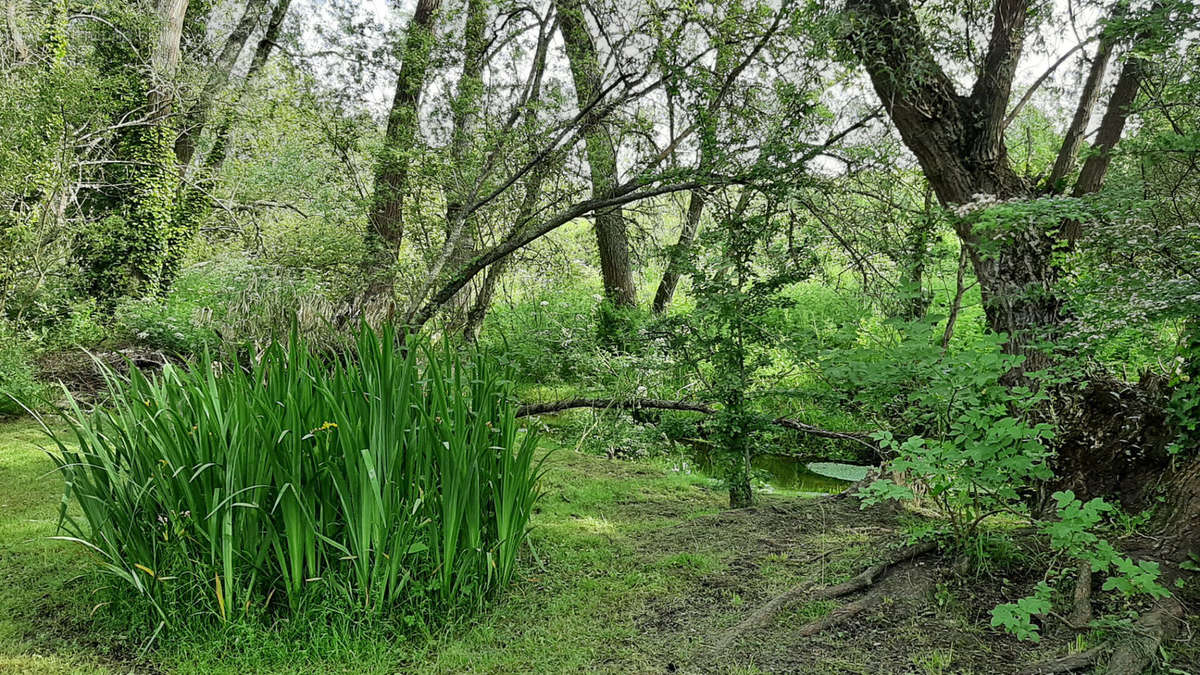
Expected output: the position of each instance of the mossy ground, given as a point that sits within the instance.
(634, 567)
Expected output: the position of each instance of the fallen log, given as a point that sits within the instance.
(528, 409)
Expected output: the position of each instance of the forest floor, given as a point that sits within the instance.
(636, 567)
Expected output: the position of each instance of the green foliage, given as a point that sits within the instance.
(1185, 396)
(133, 250)
(1016, 617)
(395, 479)
(1073, 533)
(979, 448)
(18, 378)
(728, 331)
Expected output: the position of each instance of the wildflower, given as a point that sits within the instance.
(545, 303)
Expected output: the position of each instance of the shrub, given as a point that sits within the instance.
(393, 478)
(18, 381)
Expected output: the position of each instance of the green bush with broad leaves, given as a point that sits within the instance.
(394, 477)
(1072, 534)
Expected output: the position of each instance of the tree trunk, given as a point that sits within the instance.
(687, 237)
(465, 110)
(1073, 138)
(262, 53)
(461, 184)
(20, 50)
(611, 238)
(483, 301)
(916, 301)
(386, 219)
(165, 57)
(958, 141)
(1091, 176)
(196, 117)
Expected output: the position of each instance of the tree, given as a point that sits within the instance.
(587, 74)
(127, 251)
(386, 218)
(958, 140)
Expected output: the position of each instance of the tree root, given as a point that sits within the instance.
(1132, 656)
(1066, 664)
(1081, 610)
(766, 614)
(853, 609)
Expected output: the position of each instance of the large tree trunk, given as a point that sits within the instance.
(1114, 436)
(611, 238)
(386, 219)
(127, 258)
(958, 141)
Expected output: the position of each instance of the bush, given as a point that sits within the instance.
(18, 381)
(392, 479)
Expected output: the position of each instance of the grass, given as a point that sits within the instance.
(632, 565)
(573, 604)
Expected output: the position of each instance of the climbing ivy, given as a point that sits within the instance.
(131, 244)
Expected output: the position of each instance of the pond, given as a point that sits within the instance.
(791, 473)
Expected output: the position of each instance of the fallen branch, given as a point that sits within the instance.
(528, 409)
(767, 613)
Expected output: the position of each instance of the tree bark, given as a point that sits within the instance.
(386, 219)
(611, 238)
(164, 60)
(218, 76)
(687, 237)
(1091, 176)
(465, 109)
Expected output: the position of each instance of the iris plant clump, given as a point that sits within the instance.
(395, 476)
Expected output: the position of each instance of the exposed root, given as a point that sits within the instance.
(1081, 609)
(1066, 664)
(766, 614)
(853, 609)
(1133, 656)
